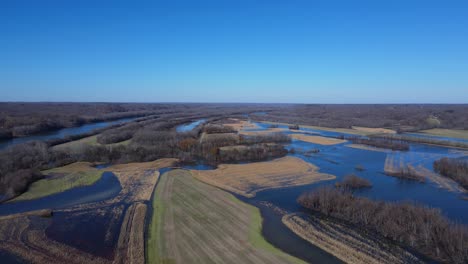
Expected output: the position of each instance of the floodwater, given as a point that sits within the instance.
(106, 187)
(62, 133)
(341, 160)
(338, 160)
(190, 126)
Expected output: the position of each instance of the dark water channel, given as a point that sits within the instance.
(189, 126)
(62, 133)
(106, 187)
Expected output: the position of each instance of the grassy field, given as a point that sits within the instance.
(453, 133)
(247, 179)
(318, 139)
(68, 177)
(193, 222)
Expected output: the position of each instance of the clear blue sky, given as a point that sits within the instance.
(376, 51)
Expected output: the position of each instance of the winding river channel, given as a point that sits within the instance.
(62, 133)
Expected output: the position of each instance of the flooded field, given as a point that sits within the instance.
(97, 221)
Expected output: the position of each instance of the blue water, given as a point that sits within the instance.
(106, 187)
(62, 133)
(340, 161)
(189, 126)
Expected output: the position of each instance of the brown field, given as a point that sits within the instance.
(374, 130)
(318, 139)
(239, 125)
(345, 243)
(247, 179)
(197, 223)
(131, 244)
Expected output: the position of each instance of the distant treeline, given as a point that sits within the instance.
(454, 169)
(23, 119)
(402, 118)
(381, 143)
(421, 228)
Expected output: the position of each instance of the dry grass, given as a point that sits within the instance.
(73, 167)
(131, 244)
(346, 244)
(139, 166)
(372, 130)
(197, 223)
(318, 139)
(453, 133)
(247, 179)
(239, 125)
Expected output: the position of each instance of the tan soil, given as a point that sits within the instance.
(247, 179)
(377, 130)
(318, 139)
(131, 244)
(239, 125)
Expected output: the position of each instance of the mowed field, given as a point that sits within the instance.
(193, 222)
(247, 179)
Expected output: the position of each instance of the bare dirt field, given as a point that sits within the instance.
(346, 244)
(197, 223)
(131, 244)
(318, 139)
(247, 179)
